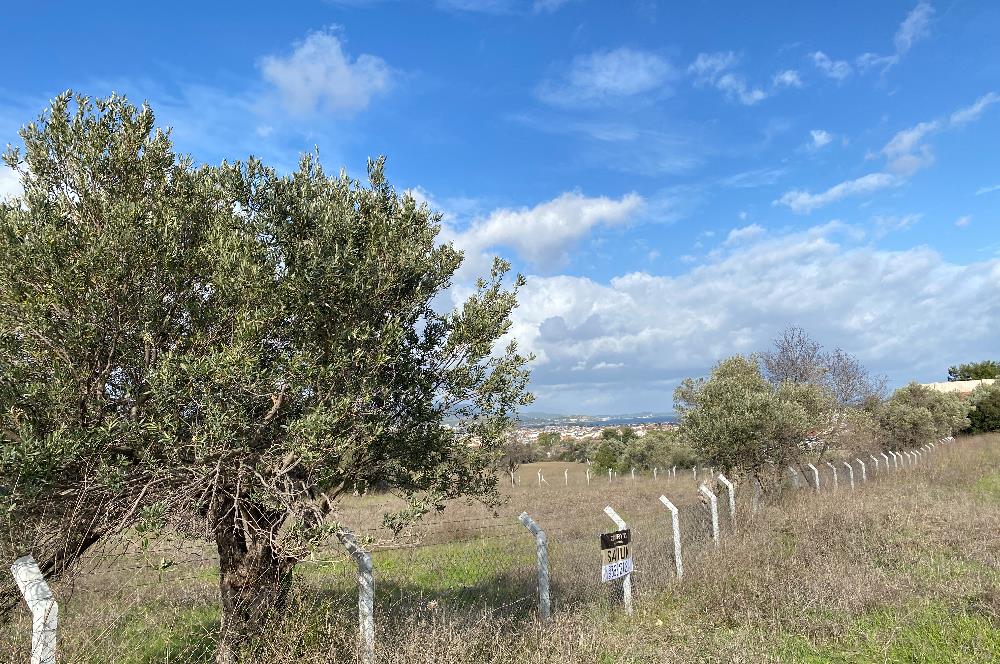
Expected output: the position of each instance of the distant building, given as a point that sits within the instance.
(961, 387)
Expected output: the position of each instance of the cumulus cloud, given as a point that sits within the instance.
(745, 233)
(902, 312)
(607, 76)
(906, 153)
(714, 69)
(835, 69)
(319, 75)
(787, 79)
(541, 235)
(804, 201)
(820, 137)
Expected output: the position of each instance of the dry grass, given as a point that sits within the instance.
(905, 569)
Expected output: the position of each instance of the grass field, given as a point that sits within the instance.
(904, 569)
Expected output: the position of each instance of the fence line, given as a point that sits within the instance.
(493, 552)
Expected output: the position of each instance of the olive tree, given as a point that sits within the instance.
(227, 351)
(737, 421)
(916, 415)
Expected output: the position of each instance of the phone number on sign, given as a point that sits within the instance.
(616, 570)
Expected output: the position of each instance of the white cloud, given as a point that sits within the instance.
(709, 65)
(888, 223)
(319, 75)
(820, 137)
(10, 182)
(804, 201)
(543, 234)
(607, 76)
(548, 6)
(915, 27)
(903, 312)
(745, 233)
(986, 190)
(963, 221)
(970, 113)
(905, 152)
(835, 69)
(714, 69)
(787, 79)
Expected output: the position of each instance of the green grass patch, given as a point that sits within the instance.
(989, 487)
(931, 633)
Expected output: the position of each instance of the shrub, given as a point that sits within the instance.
(916, 415)
(985, 413)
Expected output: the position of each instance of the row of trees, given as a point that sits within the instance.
(797, 403)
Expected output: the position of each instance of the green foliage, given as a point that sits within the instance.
(916, 415)
(737, 420)
(984, 415)
(547, 442)
(975, 370)
(223, 341)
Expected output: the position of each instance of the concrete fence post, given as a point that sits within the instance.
(864, 471)
(633, 475)
(44, 609)
(694, 472)
(542, 552)
(875, 461)
(815, 477)
(609, 476)
(895, 459)
(794, 476)
(850, 473)
(676, 522)
(731, 490)
(713, 503)
(654, 473)
(588, 477)
(627, 580)
(366, 595)
(886, 457)
(755, 496)
(834, 469)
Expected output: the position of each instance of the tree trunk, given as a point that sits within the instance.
(253, 581)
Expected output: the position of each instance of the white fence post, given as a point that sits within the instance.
(815, 477)
(366, 595)
(673, 471)
(633, 475)
(886, 457)
(694, 472)
(675, 517)
(850, 473)
(731, 490)
(588, 477)
(834, 469)
(756, 495)
(714, 506)
(542, 551)
(872, 457)
(895, 459)
(44, 609)
(627, 580)
(864, 471)
(566, 475)
(609, 476)
(654, 473)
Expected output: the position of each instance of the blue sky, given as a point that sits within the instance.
(679, 181)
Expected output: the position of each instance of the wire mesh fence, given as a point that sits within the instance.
(135, 599)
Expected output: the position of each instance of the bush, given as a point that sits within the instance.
(916, 415)
(984, 416)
